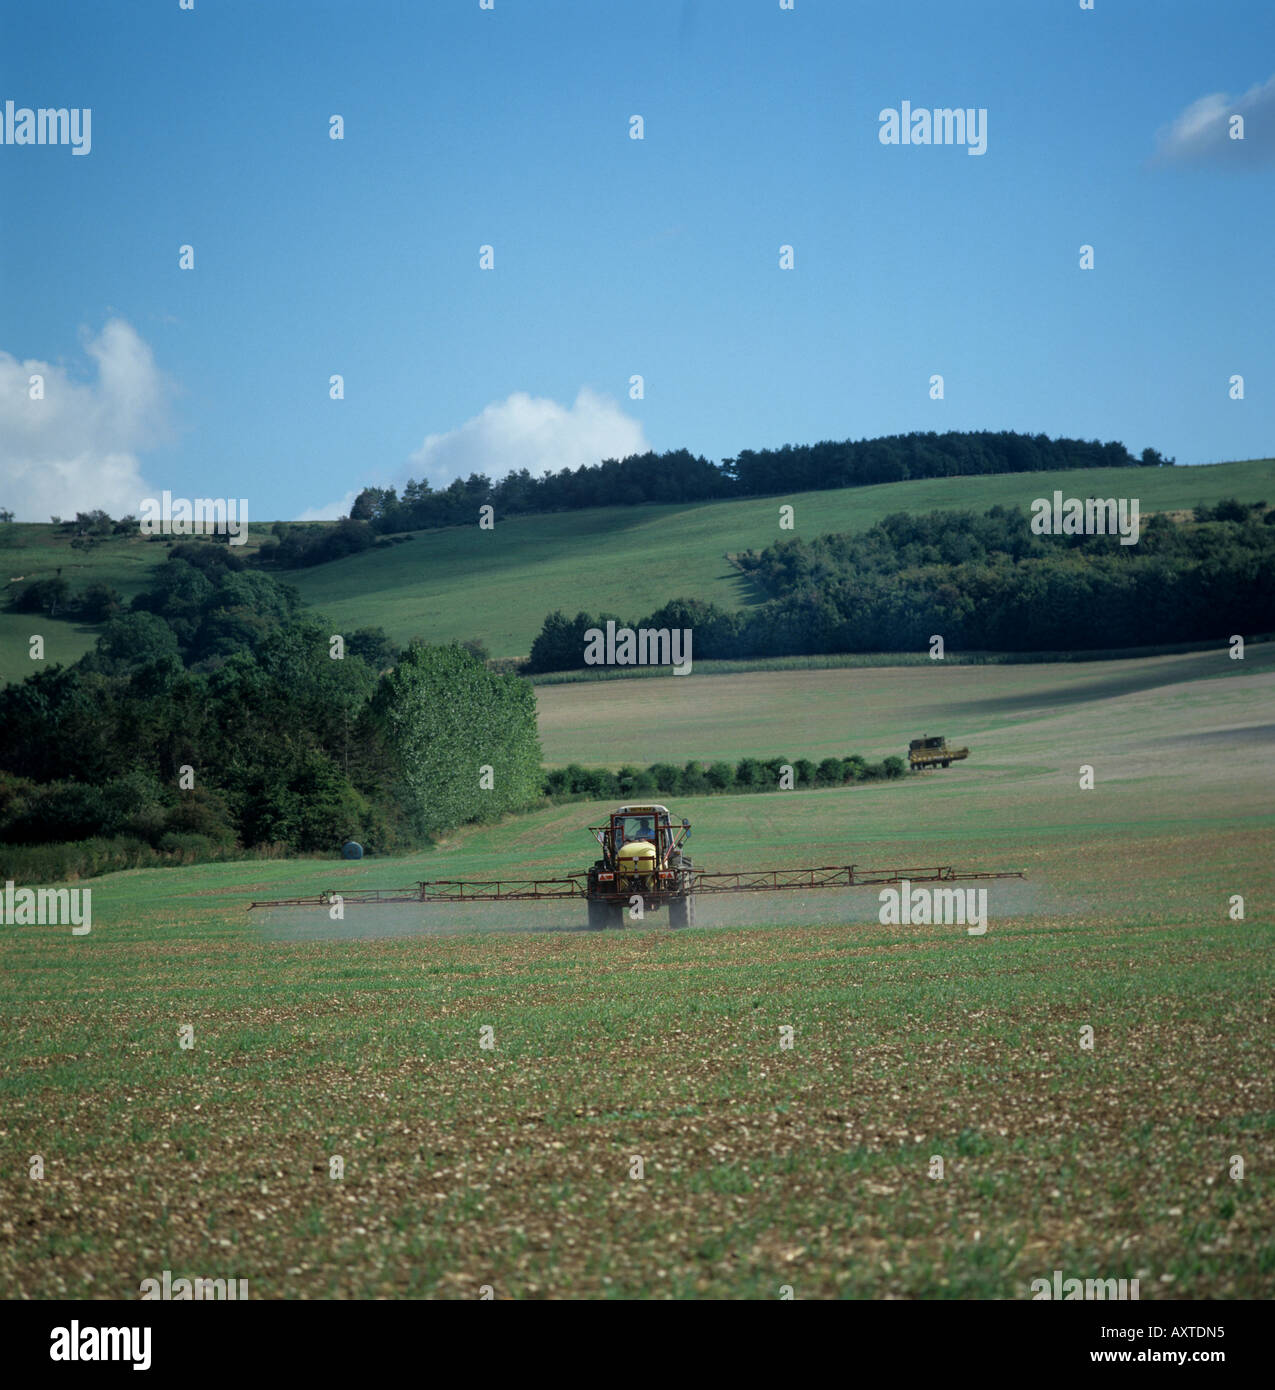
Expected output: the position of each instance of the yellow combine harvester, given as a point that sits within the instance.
(933, 752)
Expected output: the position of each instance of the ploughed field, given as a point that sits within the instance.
(764, 1165)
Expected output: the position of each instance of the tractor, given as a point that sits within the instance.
(641, 857)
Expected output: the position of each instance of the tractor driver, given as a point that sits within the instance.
(641, 829)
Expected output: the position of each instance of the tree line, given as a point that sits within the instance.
(678, 476)
(704, 779)
(982, 582)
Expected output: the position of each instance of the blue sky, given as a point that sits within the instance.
(613, 256)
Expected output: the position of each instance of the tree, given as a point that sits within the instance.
(100, 602)
(374, 646)
(42, 596)
(829, 773)
(134, 640)
(693, 781)
(94, 523)
(1230, 509)
(635, 781)
(446, 718)
(371, 502)
(560, 644)
(750, 774)
(665, 777)
(557, 782)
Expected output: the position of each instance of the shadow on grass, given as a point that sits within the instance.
(1153, 676)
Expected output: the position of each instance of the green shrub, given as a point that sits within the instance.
(667, 777)
(720, 776)
(830, 773)
(635, 781)
(693, 781)
(749, 774)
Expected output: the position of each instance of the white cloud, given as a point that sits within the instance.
(522, 431)
(76, 449)
(331, 511)
(530, 432)
(1201, 133)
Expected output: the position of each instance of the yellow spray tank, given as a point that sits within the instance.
(637, 858)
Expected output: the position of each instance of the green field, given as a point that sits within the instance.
(1015, 718)
(498, 585)
(764, 1167)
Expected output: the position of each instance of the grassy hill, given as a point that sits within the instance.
(498, 585)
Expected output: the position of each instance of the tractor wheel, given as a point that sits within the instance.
(681, 911)
(597, 914)
(617, 914)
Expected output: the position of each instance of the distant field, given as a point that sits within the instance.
(498, 585)
(1007, 714)
(763, 1166)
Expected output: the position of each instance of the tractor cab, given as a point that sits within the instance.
(640, 841)
(640, 836)
(632, 828)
